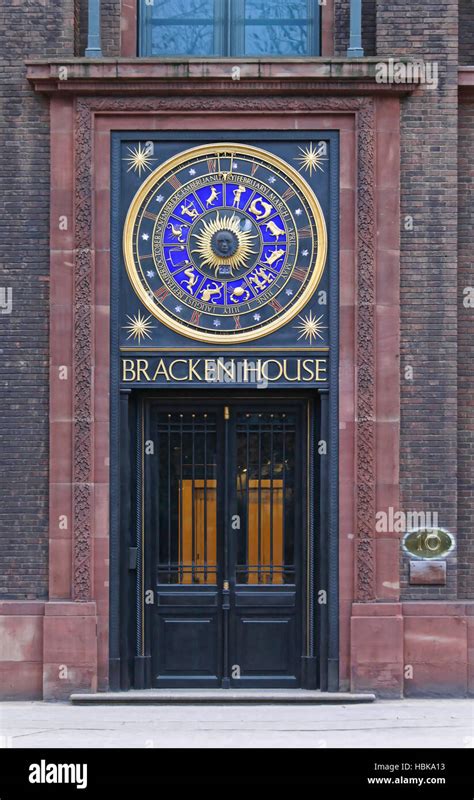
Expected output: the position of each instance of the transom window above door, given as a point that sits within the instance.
(255, 28)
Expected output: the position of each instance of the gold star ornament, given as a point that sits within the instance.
(311, 158)
(139, 327)
(139, 160)
(310, 327)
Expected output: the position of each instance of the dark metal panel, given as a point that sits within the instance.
(119, 468)
(265, 599)
(192, 599)
(286, 341)
(323, 546)
(186, 622)
(309, 661)
(265, 646)
(333, 411)
(121, 551)
(119, 582)
(227, 456)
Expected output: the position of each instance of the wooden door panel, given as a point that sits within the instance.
(188, 648)
(265, 645)
(187, 638)
(264, 630)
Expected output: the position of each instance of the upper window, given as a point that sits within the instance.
(229, 28)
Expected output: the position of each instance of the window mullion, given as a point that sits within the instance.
(145, 26)
(314, 27)
(237, 28)
(220, 27)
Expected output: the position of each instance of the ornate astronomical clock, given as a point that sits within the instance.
(224, 243)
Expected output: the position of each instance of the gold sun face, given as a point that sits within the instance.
(139, 327)
(311, 158)
(222, 241)
(139, 160)
(310, 327)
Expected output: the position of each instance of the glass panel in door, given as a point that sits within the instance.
(187, 502)
(266, 497)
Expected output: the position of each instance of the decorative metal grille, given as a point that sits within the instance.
(187, 502)
(265, 497)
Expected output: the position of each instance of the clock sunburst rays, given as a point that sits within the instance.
(311, 158)
(310, 327)
(140, 159)
(139, 327)
(244, 239)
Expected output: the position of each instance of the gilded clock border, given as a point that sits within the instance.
(236, 336)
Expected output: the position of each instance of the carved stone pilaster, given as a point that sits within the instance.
(365, 354)
(83, 358)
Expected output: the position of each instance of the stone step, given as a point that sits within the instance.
(221, 697)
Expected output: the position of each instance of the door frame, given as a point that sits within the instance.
(322, 671)
(132, 666)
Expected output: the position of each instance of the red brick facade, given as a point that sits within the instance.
(465, 340)
(418, 446)
(428, 268)
(28, 31)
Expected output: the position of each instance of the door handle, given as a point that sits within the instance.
(226, 596)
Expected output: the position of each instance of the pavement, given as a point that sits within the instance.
(386, 723)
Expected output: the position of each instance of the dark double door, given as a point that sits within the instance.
(224, 528)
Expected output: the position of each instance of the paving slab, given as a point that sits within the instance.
(387, 723)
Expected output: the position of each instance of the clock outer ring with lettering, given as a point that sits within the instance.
(224, 243)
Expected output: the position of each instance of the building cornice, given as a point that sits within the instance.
(210, 76)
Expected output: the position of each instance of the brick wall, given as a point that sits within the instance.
(369, 27)
(110, 24)
(80, 27)
(428, 266)
(341, 27)
(466, 32)
(465, 345)
(31, 29)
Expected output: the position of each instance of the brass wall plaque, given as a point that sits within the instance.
(427, 573)
(428, 543)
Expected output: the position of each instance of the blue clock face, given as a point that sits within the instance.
(225, 243)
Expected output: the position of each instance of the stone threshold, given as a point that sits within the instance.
(220, 697)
